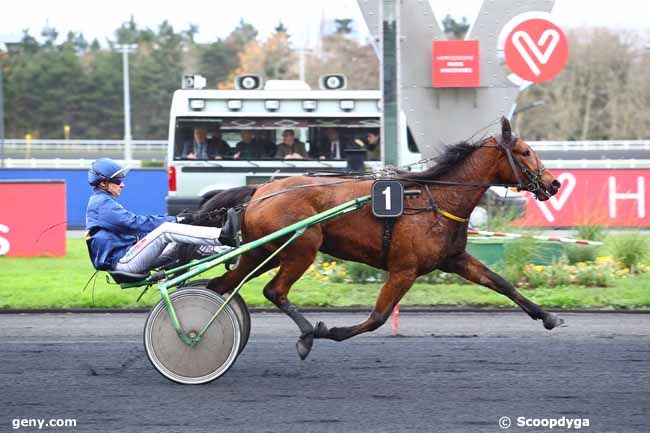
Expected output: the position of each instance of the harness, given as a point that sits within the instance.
(389, 223)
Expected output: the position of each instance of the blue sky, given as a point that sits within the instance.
(302, 17)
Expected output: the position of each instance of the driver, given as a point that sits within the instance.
(120, 240)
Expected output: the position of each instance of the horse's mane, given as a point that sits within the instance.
(445, 162)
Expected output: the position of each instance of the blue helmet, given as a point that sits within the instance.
(105, 169)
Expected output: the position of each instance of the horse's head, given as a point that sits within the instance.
(521, 167)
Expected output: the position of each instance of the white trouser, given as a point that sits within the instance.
(142, 256)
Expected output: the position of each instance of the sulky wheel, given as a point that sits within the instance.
(211, 357)
(241, 309)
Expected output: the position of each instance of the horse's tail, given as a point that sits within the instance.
(230, 198)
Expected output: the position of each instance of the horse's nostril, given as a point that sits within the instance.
(556, 184)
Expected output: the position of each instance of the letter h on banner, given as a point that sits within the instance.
(639, 196)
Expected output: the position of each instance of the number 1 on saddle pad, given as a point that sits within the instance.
(387, 198)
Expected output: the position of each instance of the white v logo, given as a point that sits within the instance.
(542, 57)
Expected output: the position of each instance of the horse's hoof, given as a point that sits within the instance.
(320, 330)
(552, 320)
(303, 345)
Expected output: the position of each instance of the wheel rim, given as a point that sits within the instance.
(207, 360)
(238, 305)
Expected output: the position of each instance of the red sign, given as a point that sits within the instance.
(536, 49)
(455, 64)
(28, 211)
(594, 197)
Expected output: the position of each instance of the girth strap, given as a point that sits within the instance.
(388, 236)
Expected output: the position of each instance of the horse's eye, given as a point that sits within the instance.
(526, 153)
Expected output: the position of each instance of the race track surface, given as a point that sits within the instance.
(448, 372)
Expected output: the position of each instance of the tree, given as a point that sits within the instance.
(344, 25)
(43, 87)
(342, 55)
(156, 74)
(50, 34)
(191, 32)
(280, 28)
(272, 59)
(77, 41)
(454, 29)
(219, 59)
(241, 36)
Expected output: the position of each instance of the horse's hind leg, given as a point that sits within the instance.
(396, 286)
(468, 267)
(248, 262)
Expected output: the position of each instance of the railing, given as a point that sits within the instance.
(84, 144)
(590, 145)
(50, 150)
(59, 163)
(155, 145)
(551, 164)
(78, 153)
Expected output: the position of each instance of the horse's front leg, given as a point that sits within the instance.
(468, 267)
(396, 286)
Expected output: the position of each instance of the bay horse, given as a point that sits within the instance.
(432, 235)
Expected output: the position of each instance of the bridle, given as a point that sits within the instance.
(533, 180)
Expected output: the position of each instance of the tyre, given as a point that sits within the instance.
(211, 357)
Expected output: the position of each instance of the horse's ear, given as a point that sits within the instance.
(506, 130)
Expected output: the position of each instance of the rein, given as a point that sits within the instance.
(532, 185)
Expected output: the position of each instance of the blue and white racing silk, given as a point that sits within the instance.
(111, 229)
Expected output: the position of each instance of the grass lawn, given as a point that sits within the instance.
(48, 282)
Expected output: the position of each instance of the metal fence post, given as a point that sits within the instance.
(390, 81)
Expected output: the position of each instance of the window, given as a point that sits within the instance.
(275, 138)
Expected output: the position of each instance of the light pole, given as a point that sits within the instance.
(302, 54)
(535, 104)
(2, 120)
(126, 49)
(3, 47)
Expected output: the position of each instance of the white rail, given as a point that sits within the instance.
(89, 145)
(59, 163)
(610, 164)
(588, 145)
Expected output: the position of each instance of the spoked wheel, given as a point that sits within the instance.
(241, 309)
(211, 357)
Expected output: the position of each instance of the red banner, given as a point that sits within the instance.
(593, 197)
(27, 211)
(455, 64)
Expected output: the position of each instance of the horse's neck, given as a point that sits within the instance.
(480, 167)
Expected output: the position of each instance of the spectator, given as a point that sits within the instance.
(249, 147)
(198, 147)
(373, 145)
(329, 147)
(217, 147)
(290, 147)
